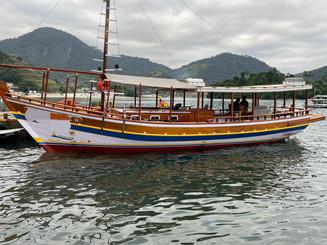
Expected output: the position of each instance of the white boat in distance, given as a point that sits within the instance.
(319, 101)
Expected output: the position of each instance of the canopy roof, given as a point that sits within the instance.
(149, 82)
(256, 89)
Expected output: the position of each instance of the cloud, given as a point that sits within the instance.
(287, 34)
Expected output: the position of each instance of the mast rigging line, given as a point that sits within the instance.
(205, 20)
(156, 32)
(48, 13)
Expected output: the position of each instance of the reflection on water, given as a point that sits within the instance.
(253, 195)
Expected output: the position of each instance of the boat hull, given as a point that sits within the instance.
(63, 136)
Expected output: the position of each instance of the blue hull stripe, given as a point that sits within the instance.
(151, 138)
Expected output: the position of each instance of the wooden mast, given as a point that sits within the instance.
(105, 59)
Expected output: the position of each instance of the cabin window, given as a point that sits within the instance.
(135, 117)
(154, 118)
(174, 118)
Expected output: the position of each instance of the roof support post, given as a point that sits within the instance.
(135, 95)
(91, 94)
(253, 102)
(173, 98)
(107, 108)
(211, 101)
(75, 89)
(42, 88)
(114, 98)
(284, 100)
(198, 109)
(171, 102)
(202, 100)
(46, 84)
(293, 105)
(140, 101)
(157, 97)
(275, 104)
(184, 98)
(66, 91)
(223, 103)
(232, 105)
(306, 101)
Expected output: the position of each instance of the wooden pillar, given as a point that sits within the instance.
(275, 103)
(42, 87)
(284, 100)
(108, 101)
(114, 98)
(140, 101)
(198, 108)
(75, 89)
(223, 103)
(66, 91)
(171, 102)
(173, 97)
(184, 98)
(306, 101)
(135, 94)
(293, 107)
(211, 101)
(157, 97)
(253, 102)
(202, 99)
(232, 104)
(46, 84)
(91, 94)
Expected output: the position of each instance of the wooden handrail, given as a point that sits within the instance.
(122, 116)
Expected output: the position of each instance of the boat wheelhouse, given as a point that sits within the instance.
(69, 126)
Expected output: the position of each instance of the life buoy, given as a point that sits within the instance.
(104, 85)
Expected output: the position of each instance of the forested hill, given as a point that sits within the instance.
(222, 67)
(25, 80)
(56, 48)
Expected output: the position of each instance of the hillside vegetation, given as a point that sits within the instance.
(24, 80)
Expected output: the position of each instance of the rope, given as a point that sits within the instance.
(219, 32)
(48, 13)
(156, 33)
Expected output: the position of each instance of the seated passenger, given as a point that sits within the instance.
(163, 104)
(244, 106)
(237, 105)
(177, 107)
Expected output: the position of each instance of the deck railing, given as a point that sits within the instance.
(96, 112)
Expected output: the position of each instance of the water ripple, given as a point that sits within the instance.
(258, 195)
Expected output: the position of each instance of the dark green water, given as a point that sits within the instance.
(273, 194)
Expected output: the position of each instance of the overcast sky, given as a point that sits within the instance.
(288, 34)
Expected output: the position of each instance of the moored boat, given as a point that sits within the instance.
(318, 101)
(68, 126)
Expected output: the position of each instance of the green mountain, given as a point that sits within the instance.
(315, 75)
(25, 80)
(222, 67)
(55, 48)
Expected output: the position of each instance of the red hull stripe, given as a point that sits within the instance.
(108, 149)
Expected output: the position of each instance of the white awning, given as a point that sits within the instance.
(256, 89)
(149, 82)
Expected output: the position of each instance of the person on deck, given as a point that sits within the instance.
(244, 106)
(237, 105)
(162, 103)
